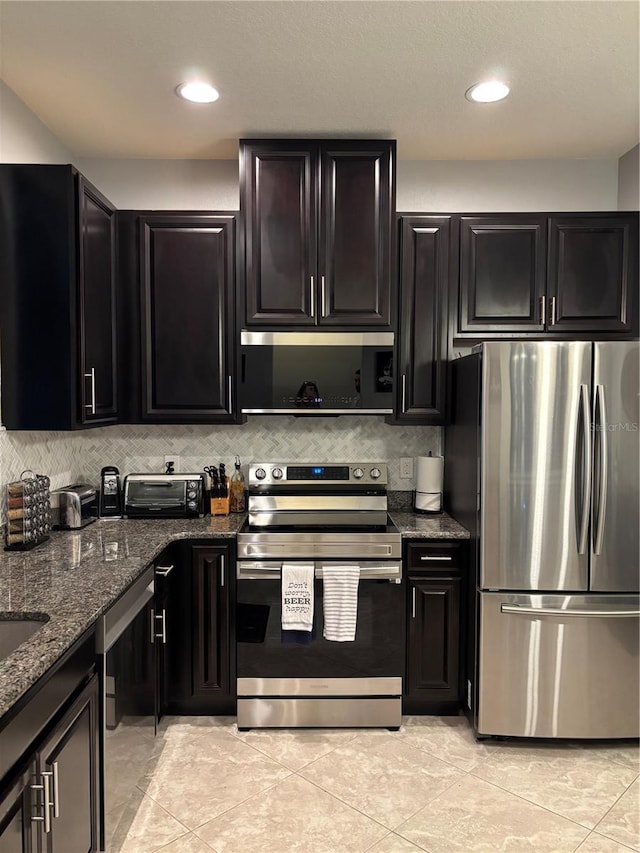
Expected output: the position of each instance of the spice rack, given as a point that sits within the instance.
(28, 512)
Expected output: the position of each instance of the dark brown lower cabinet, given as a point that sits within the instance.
(434, 628)
(199, 669)
(210, 568)
(17, 830)
(51, 804)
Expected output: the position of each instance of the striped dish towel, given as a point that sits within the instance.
(340, 600)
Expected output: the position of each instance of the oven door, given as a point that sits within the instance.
(264, 651)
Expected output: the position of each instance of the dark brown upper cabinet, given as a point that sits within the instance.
(593, 273)
(539, 275)
(319, 240)
(58, 322)
(502, 273)
(426, 259)
(186, 273)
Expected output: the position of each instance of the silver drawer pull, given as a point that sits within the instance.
(442, 559)
(413, 603)
(92, 376)
(56, 788)
(163, 571)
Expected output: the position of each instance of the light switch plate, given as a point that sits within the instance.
(406, 468)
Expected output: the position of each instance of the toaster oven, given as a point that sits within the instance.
(163, 496)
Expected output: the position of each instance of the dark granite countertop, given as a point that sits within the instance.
(413, 525)
(77, 575)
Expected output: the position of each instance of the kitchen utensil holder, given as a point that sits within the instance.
(220, 506)
(28, 512)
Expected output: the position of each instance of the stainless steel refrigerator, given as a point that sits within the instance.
(543, 463)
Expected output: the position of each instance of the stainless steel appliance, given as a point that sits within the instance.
(126, 661)
(316, 373)
(323, 515)
(110, 493)
(163, 496)
(543, 469)
(73, 506)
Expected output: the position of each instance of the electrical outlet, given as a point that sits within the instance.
(172, 457)
(406, 468)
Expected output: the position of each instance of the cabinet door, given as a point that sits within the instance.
(502, 274)
(356, 233)
(593, 263)
(187, 277)
(97, 305)
(433, 666)
(70, 758)
(19, 810)
(210, 641)
(278, 193)
(422, 340)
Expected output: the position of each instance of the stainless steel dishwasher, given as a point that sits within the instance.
(127, 661)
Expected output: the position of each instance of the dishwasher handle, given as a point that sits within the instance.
(113, 623)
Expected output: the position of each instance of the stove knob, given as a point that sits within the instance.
(192, 505)
(191, 484)
(191, 494)
(276, 473)
(358, 473)
(260, 473)
(375, 473)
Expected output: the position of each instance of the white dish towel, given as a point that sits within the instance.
(340, 601)
(297, 596)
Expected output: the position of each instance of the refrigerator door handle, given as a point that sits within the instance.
(556, 611)
(586, 470)
(601, 427)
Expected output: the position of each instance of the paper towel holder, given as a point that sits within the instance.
(428, 500)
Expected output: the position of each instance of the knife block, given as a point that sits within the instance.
(220, 506)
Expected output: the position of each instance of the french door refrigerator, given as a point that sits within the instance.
(544, 452)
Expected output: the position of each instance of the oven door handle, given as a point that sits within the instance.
(261, 570)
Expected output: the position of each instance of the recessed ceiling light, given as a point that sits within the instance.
(485, 93)
(199, 93)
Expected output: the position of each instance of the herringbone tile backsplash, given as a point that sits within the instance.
(71, 457)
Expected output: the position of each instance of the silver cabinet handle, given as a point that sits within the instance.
(45, 817)
(428, 557)
(163, 571)
(163, 626)
(555, 611)
(586, 470)
(323, 296)
(413, 603)
(403, 406)
(230, 392)
(56, 790)
(221, 569)
(552, 302)
(312, 299)
(601, 425)
(543, 310)
(92, 377)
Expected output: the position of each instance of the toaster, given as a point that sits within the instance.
(73, 506)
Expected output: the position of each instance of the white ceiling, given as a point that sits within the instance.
(101, 75)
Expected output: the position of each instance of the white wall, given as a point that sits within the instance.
(439, 186)
(166, 184)
(23, 137)
(478, 186)
(629, 180)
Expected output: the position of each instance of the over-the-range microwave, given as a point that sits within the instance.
(316, 373)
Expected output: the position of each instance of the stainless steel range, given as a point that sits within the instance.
(321, 516)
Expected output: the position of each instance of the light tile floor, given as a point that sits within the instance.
(429, 786)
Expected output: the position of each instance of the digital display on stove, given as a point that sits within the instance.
(318, 472)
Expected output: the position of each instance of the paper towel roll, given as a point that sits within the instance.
(429, 482)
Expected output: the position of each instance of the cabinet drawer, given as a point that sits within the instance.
(434, 556)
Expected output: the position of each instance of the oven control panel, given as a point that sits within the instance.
(360, 473)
